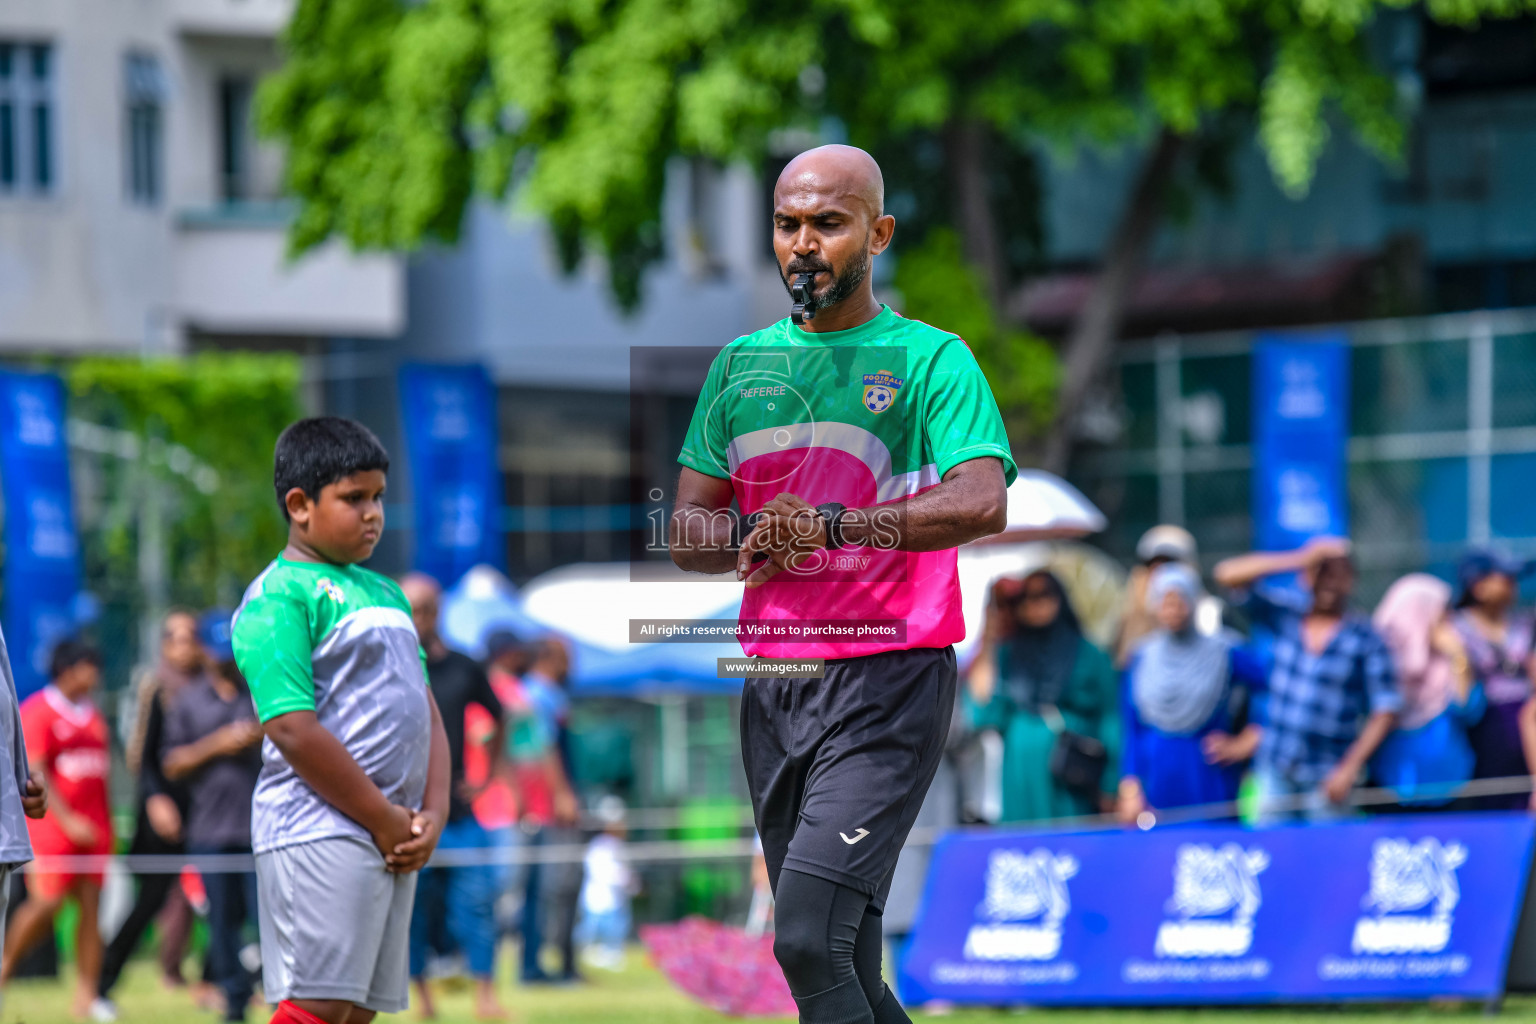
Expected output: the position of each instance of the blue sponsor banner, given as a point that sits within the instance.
(42, 550)
(1389, 908)
(451, 438)
(1300, 439)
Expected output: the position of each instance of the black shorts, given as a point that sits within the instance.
(838, 767)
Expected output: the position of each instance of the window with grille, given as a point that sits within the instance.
(27, 158)
(235, 140)
(145, 91)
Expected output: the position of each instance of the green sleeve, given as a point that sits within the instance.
(960, 417)
(705, 445)
(273, 650)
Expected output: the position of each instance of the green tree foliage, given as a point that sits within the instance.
(937, 286)
(396, 113)
(199, 431)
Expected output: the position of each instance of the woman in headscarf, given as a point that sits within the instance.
(1499, 648)
(1187, 727)
(1428, 754)
(1039, 682)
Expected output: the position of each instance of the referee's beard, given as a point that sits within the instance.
(843, 284)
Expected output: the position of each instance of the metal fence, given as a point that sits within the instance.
(1441, 451)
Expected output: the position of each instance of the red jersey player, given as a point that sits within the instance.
(66, 737)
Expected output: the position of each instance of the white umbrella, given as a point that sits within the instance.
(1043, 506)
(594, 602)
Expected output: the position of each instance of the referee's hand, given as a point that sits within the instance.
(788, 531)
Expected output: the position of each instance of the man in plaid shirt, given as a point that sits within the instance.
(1333, 694)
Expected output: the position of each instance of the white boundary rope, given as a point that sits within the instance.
(671, 850)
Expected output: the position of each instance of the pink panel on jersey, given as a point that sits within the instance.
(853, 584)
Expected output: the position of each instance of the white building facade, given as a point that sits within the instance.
(138, 211)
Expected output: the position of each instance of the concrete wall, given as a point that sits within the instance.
(238, 280)
(82, 267)
(85, 268)
(499, 297)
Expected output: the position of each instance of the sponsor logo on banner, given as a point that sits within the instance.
(460, 519)
(880, 390)
(1301, 391)
(450, 412)
(49, 533)
(1304, 502)
(1215, 897)
(1413, 895)
(37, 423)
(1026, 899)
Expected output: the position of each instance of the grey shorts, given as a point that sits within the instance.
(334, 924)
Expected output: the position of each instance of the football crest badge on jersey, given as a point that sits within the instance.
(880, 390)
(332, 591)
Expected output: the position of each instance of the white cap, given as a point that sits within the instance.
(610, 811)
(1168, 541)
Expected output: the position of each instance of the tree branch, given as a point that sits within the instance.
(1089, 347)
(965, 143)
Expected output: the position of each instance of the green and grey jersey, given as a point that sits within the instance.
(337, 640)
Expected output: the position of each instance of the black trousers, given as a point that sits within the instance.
(152, 892)
(231, 906)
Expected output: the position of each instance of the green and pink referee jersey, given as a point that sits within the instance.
(865, 417)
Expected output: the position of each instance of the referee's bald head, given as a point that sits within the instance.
(844, 171)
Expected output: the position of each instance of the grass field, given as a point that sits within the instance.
(639, 995)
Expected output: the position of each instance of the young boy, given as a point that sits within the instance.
(607, 888)
(68, 735)
(354, 783)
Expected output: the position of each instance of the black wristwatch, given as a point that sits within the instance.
(832, 513)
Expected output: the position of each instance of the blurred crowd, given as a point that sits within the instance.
(193, 744)
(1265, 697)
(1271, 698)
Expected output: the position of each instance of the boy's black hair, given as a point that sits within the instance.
(69, 653)
(321, 450)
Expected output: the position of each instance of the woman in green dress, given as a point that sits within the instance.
(1035, 676)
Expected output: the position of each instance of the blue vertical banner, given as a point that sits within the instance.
(42, 549)
(451, 439)
(1300, 439)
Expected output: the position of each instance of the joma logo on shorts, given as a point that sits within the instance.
(850, 561)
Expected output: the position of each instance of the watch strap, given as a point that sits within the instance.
(832, 512)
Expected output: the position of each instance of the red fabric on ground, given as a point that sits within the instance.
(722, 967)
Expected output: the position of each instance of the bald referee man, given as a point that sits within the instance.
(869, 447)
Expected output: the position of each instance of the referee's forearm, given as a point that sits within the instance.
(968, 504)
(909, 526)
(702, 540)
